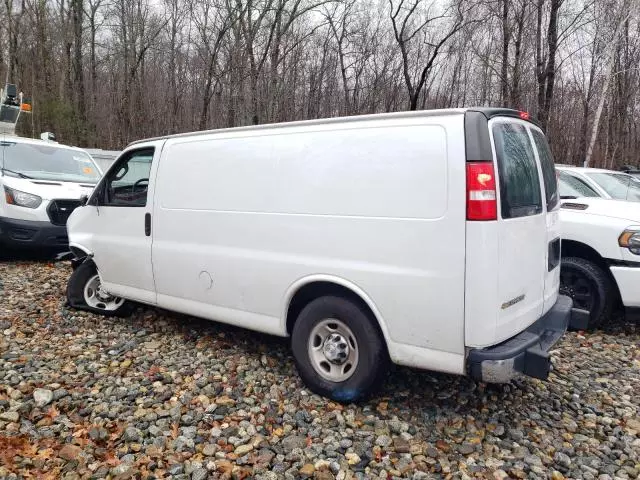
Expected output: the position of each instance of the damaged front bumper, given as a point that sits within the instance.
(528, 352)
(77, 257)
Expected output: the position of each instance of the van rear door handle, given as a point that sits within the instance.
(147, 224)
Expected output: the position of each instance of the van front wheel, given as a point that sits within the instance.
(337, 349)
(590, 288)
(84, 291)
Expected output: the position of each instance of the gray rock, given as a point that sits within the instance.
(120, 469)
(42, 397)
(176, 469)
(98, 434)
(267, 476)
(571, 425)
(383, 441)
(562, 459)
(346, 443)
(466, 449)
(131, 434)
(10, 416)
(199, 474)
(182, 444)
(533, 460)
(292, 442)
(209, 450)
(397, 427)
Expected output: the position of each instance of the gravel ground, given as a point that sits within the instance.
(163, 395)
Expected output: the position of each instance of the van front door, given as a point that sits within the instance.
(122, 230)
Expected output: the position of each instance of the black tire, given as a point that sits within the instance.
(373, 359)
(590, 287)
(75, 292)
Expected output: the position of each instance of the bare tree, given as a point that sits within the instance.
(410, 22)
(622, 17)
(104, 72)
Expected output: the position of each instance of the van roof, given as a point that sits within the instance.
(488, 112)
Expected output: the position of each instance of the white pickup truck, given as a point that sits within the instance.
(600, 249)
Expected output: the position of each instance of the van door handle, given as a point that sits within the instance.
(147, 224)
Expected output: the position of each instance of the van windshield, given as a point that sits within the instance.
(619, 185)
(47, 162)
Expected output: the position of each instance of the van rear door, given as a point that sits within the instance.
(522, 227)
(508, 229)
(552, 215)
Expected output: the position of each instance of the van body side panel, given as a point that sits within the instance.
(242, 216)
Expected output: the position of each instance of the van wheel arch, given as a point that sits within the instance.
(80, 255)
(322, 288)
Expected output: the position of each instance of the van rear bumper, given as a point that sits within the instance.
(528, 352)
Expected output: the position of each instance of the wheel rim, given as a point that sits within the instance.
(96, 297)
(579, 287)
(333, 350)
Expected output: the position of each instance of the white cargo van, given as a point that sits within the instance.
(427, 238)
(41, 182)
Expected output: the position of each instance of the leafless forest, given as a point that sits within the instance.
(105, 72)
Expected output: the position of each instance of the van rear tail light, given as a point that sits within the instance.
(482, 204)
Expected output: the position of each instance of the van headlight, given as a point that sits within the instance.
(630, 239)
(21, 199)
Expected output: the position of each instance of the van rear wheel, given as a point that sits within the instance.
(338, 350)
(84, 292)
(590, 288)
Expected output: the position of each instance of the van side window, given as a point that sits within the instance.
(548, 169)
(127, 183)
(520, 193)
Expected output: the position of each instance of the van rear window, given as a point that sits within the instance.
(548, 169)
(520, 193)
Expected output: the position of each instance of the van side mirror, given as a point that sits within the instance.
(83, 200)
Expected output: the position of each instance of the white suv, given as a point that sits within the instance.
(41, 183)
(600, 246)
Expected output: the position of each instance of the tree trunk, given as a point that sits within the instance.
(624, 15)
(550, 71)
(540, 77)
(505, 54)
(78, 71)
